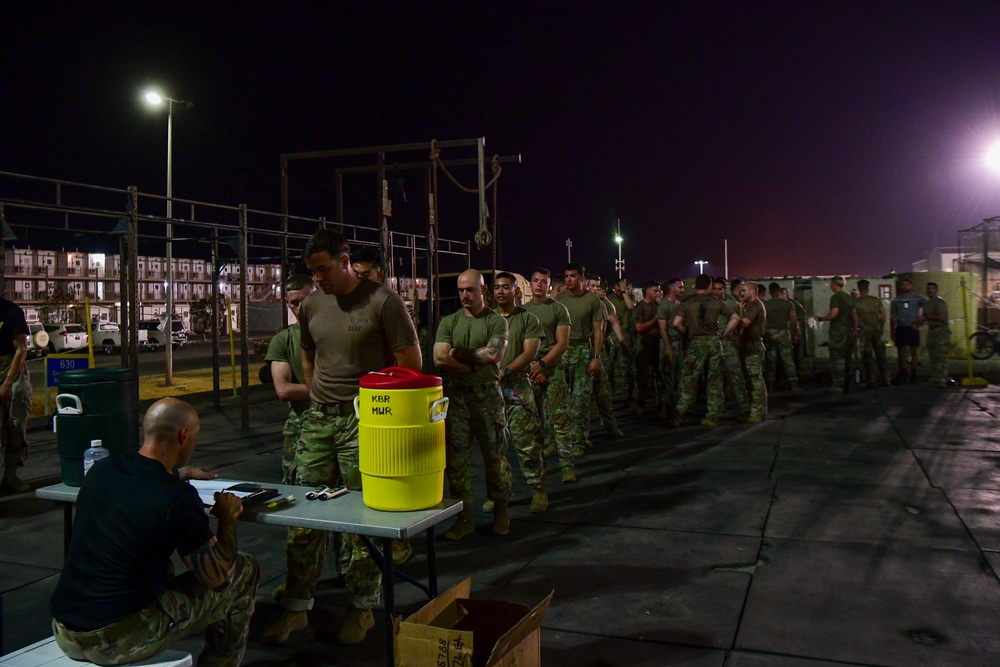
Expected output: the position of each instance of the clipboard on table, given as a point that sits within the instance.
(251, 493)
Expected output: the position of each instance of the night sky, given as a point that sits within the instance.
(818, 138)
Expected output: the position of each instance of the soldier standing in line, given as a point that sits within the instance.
(647, 357)
(602, 381)
(623, 377)
(524, 334)
(782, 336)
(841, 321)
(732, 366)
(938, 336)
(699, 317)
(753, 321)
(548, 378)
(870, 315)
(351, 328)
(367, 263)
(469, 346)
(672, 357)
(557, 286)
(582, 361)
(906, 314)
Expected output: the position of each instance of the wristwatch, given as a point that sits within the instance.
(506, 372)
(541, 362)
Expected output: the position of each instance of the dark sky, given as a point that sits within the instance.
(818, 138)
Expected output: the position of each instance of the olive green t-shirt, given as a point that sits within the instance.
(734, 306)
(702, 313)
(757, 314)
(870, 311)
(471, 333)
(842, 302)
(646, 312)
(624, 314)
(352, 335)
(779, 313)
(521, 326)
(584, 311)
(551, 315)
(286, 347)
(667, 311)
(936, 306)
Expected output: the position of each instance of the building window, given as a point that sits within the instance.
(885, 292)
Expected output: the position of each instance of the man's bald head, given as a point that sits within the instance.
(470, 290)
(165, 419)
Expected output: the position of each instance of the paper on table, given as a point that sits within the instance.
(207, 489)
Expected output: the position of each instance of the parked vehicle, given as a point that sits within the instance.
(38, 341)
(65, 337)
(108, 336)
(158, 338)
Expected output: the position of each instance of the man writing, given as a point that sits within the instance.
(115, 602)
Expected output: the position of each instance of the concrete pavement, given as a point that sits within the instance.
(859, 529)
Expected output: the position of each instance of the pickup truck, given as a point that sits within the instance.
(108, 336)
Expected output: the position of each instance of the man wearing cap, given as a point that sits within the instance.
(841, 319)
(468, 347)
(349, 327)
(906, 314)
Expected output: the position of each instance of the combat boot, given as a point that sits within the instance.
(501, 523)
(539, 500)
(615, 432)
(356, 625)
(286, 623)
(462, 526)
(568, 476)
(402, 551)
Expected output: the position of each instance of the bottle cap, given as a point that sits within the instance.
(95, 443)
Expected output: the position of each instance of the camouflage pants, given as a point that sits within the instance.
(185, 608)
(602, 399)
(872, 348)
(732, 372)
(14, 418)
(840, 354)
(647, 358)
(555, 411)
(523, 422)
(327, 453)
(702, 351)
(579, 389)
(477, 414)
(290, 433)
(753, 360)
(623, 370)
(938, 342)
(780, 346)
(672, 373)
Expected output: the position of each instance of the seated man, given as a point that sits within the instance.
(116, 602)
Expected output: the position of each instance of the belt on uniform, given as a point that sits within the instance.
(108, 634)
(473, 388)
(342, 408)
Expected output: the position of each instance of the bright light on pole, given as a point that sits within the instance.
(701, 265)
(156, 99)
(569, 251)
(992, 157)
(620, 263)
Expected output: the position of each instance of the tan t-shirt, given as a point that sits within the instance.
(353, 335)
(757, 314)
(471, 333)
(936, 306)
(870, 311)
(701, 314)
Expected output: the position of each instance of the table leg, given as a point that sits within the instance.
(390, 601)
(432, 574)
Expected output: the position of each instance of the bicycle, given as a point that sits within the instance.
(984, 343)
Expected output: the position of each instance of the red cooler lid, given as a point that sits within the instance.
(399, 377)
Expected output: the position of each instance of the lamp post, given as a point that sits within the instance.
(701, 265)
(619, 263)
(569, 249)
(155, 99)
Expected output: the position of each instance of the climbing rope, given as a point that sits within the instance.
(482, 237)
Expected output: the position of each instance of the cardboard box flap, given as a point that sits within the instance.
(427, 614)
(531, 622)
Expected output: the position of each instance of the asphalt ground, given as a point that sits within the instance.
(856, 529)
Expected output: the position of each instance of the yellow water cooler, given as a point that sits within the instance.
(401, 442)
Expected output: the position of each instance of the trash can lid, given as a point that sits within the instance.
(399, 377)
(87, 375)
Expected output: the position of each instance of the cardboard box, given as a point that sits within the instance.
(453, 631)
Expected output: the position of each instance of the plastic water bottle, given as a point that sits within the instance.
(96, 452)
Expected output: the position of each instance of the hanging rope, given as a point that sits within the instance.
(482, 237)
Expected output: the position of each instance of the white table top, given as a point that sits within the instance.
(345, 514)
(46, 653)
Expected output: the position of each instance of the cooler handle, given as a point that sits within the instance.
(66, 410)
(439, 410)
(397, 371)
(357, 406)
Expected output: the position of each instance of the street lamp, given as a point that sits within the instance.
(619, 263)
(569, 251)
(992, 157)
(701, 265)
(155, 99)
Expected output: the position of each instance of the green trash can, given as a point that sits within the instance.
(95, 404)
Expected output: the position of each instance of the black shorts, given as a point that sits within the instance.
(907, 337)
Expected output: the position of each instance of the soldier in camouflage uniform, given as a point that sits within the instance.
(468, 347)
(355, 326)
(117, 601)
(732, 364)
(647, 356)
(699, 317)
(582, 360)
(548, 377)
(623, 377)
(613, 347)
(870, 315)
(938, 336)
(524, 335)
(672, 357)
(842, 331)
(782, 335)
(753, 323)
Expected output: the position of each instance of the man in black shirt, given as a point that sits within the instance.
(15, 394)
(116, 601)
